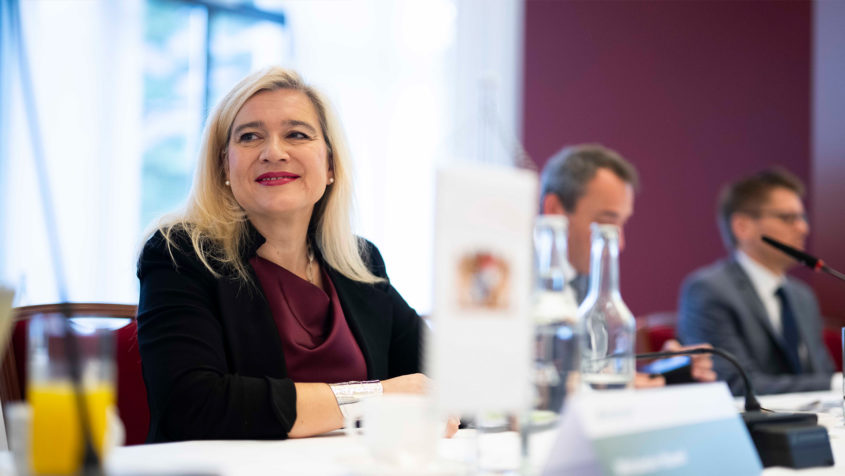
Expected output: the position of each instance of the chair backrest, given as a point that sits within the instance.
(833, 342)
(653, 330)
(131, 392)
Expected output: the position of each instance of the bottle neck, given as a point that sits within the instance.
(604, 265)
(550, 256)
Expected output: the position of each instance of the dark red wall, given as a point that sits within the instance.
(694, 93)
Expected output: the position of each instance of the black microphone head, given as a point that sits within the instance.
(802, 257)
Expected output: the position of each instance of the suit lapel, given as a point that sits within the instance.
(247, 315)
(750, 296)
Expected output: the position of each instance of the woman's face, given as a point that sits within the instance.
(277, 161)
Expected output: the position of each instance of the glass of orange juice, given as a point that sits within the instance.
(57, 442)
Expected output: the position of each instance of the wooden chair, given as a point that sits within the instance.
(131, 392)
(653, 330)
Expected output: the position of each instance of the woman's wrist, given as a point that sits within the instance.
(353, 392)
(350, 394)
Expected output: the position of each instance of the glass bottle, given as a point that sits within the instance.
(554, 312)
(607, 326)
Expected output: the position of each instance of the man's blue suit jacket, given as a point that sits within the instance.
(720, 306)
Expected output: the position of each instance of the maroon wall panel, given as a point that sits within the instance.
(829, 153)
(694, 93)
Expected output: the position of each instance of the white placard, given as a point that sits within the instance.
(479, 352)
(677, 430)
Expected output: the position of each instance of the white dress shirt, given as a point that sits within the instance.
(766, 283)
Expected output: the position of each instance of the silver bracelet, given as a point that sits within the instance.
(355, 391)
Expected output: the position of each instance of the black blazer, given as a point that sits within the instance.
(210, 350)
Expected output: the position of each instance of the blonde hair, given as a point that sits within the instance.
(216, 223)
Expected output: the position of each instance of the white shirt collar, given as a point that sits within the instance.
(764, 280)
(765, 283)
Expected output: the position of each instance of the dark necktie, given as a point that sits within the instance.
(580, 284)
(790, 331)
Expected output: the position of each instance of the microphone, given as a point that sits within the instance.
(751, 402)
(806, 259)
(782, 439)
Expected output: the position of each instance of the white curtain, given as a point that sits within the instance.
(84, 61)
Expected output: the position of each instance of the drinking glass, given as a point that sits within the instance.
(402, 430)
(57, 444)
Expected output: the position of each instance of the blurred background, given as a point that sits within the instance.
(111, 96)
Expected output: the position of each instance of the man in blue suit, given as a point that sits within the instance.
(746, 304)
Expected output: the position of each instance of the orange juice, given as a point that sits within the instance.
(56, 434)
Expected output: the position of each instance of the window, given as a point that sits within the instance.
(120, 91)
(193, 53)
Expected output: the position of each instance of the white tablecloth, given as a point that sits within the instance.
(338, 454)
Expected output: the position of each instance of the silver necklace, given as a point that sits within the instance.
(308, 267)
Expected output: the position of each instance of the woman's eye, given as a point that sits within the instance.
(298, 135)
(247, 136)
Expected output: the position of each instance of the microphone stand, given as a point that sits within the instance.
(827, 269)
(751, 402)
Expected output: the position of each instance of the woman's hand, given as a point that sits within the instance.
(411, 383)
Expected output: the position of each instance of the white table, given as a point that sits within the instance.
(337, 454)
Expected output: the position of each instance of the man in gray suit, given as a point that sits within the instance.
(746, 304)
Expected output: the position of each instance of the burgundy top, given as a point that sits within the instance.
(316, 340)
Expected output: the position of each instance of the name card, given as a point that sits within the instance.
(479, 353)
(678, 430)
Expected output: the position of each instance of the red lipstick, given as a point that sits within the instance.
(271, 179)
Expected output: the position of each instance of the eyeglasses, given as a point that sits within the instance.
(788, 218)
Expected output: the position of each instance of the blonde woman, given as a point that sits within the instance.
(261, 315)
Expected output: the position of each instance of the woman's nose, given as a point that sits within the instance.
(274, 150)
